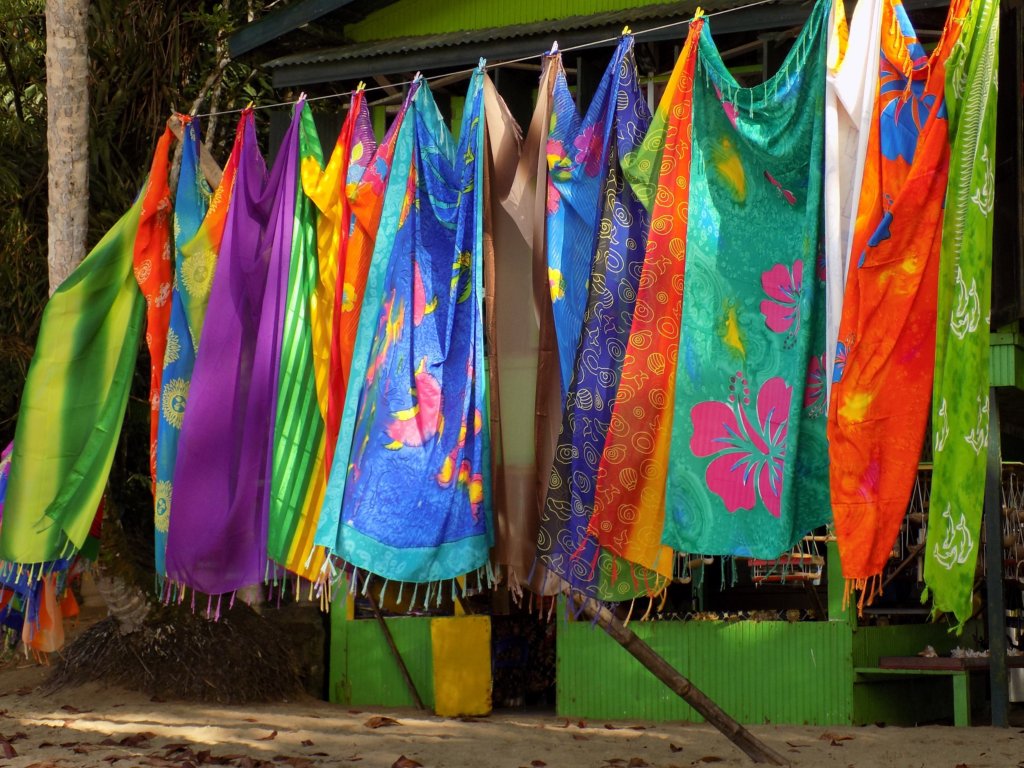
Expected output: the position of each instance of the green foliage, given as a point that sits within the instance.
(23, 275)
(146, 58)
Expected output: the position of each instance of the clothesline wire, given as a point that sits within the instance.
(496, 65)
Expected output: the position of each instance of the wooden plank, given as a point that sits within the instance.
(944, 662)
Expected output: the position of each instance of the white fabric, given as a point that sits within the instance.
(850, 90)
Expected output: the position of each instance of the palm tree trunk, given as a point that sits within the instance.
(67, 132)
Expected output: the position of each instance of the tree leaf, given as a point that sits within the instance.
(380, 721)
(405, 762)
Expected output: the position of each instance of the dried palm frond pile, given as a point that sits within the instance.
(178, 654)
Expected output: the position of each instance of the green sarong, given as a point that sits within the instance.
(74, 402)
(960, 409)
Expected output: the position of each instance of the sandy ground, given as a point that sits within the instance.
(97, 727)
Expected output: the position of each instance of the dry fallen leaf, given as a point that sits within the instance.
(6, 749)
(269, 737)
(380, 721)
(580, 737)
(675, 748)
(709, 759)
(405, 762)
(137, 739)
(637, 762)
(307, 742)
(537, 763)
(834, 737)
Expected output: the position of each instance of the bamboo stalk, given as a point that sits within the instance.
(753, 747)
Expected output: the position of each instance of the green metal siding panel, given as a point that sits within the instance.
(904, 700)
(363, 671)
(869, 643)
(756, 671)
(434, 17)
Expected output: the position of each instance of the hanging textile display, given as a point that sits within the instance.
(375, 202)
(629, 503)
(851, 85)
(154, 271)
(225, 448)
(5, 472)
(190, 205)
(368, 180)
(960, 399)
(564, 547)
(749, 461)
(328, 188)
(577, 151)
(885, 355)
(524, 338)
(295, 484)
(416, 502)
(73, 403)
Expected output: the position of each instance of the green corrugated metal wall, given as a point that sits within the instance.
(756, 671)
(363, 671)
(434, 17)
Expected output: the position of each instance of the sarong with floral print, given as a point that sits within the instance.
(749, 472)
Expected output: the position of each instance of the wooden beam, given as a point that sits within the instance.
(999, 693)
(280, 22)
(384, 83)
(753, 747)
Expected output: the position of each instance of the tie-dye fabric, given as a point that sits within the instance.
(629, 504)
(885, 354)
(564, 546)
(749, 461)
(190, 205)
(960, 397)
(376, 204)
(416, 505)
(368, 179)
(73, 403)
(154, 270)
(328, 188)
(577, 152)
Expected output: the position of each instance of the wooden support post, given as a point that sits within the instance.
(409, 684)
(753, 747)
(993, 554)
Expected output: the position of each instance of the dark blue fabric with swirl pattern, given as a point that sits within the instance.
(563, 545)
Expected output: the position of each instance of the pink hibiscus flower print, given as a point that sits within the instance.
(781, 309)
(588, 148)
(748, 453)
(554, 197)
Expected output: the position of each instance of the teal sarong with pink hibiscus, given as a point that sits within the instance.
(749, 459)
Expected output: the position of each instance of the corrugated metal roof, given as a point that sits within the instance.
(632, 16)
(463, 48)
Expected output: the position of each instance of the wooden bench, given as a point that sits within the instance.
(958, 669)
